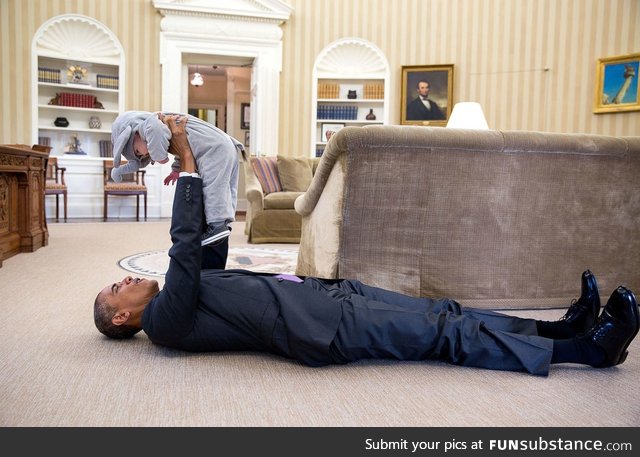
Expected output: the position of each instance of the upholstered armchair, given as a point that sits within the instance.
(272, 184)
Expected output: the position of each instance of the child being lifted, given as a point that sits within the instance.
(142, 138)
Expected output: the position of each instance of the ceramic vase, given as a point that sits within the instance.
(95, 122)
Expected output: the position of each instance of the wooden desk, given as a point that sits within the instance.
(23, 227)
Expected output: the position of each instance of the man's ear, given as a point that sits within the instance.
(120, 318)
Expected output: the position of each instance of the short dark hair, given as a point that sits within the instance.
(423, 81)
(103, 312)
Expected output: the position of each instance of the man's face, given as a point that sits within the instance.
(130, 292)
(141, 150)
(423, 89)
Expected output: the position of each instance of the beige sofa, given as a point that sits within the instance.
(271, 217)
(494, 219)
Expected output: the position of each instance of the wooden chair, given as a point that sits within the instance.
(55, 185)
(132, 184)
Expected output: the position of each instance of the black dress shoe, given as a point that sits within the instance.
(582, 313)
(616, 327)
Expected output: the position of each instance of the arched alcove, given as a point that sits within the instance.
(59, 43)
(348, 64)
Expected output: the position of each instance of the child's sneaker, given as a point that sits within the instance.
(215, 233)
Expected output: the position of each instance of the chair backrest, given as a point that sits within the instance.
(55, 174)
(129, 178)
(52, 169)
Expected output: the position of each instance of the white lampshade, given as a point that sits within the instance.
(467, 115)
(197, 80)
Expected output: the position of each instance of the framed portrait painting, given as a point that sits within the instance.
(427, 94)
(617, 84)
(245, 115)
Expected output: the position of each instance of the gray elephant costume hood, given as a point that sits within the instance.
(151, 130)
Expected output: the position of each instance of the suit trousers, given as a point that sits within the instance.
(381, 324)
(214, 256)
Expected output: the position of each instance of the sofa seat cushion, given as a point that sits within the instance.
(280, 200)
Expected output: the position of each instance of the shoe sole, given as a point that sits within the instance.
(216, 237)
(625, 352)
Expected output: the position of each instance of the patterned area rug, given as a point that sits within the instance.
(155, 263)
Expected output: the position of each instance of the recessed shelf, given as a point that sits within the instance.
(78, 87)
(343, 68)
(74, 108)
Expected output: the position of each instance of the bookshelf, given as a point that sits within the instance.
(77, 91)
(350, 87)
(89, 103)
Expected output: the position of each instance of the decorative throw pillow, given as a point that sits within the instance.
(266, 170)
(295, 173)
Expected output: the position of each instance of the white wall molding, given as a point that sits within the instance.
(274, 11)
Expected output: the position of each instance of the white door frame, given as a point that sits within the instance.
(214, 32)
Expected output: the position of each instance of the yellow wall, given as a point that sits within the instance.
(136, 24)
(500, 49)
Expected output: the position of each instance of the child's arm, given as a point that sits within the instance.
(175, 171)
(171, 178)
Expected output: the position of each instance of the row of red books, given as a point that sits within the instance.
(75, 100)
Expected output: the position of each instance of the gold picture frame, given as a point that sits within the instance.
(437, 80)
(617, 88)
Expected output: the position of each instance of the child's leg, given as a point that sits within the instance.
(218, 166)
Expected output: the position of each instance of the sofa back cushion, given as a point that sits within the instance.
(295, 173)
(266, 169)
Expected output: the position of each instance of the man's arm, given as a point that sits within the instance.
(179, 144)
(170, 316)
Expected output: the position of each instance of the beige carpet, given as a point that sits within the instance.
(57, 370)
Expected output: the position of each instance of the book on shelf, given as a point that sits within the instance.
(328, 90)
(107, 81)
(106, 148)
(44, 141)
(49, 75)
(337, 112)
(374, 91)
(76, 100)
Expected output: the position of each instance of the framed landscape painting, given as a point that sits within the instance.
(617, 84)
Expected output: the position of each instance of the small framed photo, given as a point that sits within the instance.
(245, 115)
(427, 94)
(247, 138)
(329, 129)
(617, 84)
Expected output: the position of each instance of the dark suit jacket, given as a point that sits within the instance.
(416, 111)
(220, 310)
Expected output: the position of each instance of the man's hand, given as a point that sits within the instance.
(179, 145)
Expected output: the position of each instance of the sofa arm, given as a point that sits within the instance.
(253, 189)
(321, 208)
(254, 195)
(334, 151)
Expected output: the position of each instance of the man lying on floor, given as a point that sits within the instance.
(320, 322)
